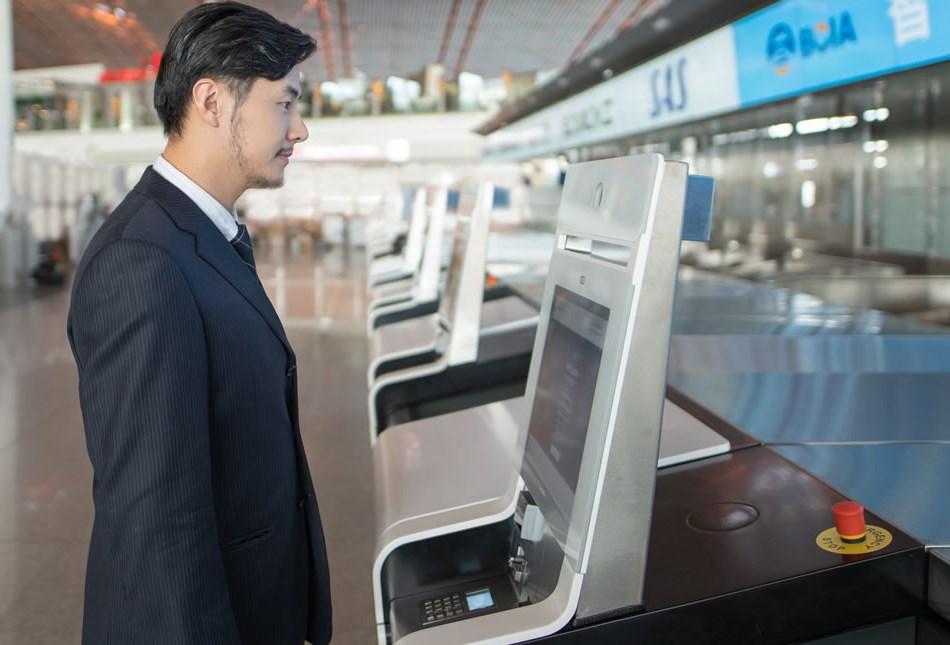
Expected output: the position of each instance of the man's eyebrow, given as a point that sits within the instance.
(293, 91)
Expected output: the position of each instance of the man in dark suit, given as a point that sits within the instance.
(206, 528)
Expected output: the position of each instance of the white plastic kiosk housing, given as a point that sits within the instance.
(387, 224)
(458, 563)
(451, 335)
(390, 267)
(400, 292)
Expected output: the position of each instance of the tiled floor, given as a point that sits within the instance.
(45, 476)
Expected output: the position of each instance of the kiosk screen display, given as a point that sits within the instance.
(563, 400)
(480, 599)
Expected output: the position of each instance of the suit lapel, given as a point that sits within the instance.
(211, 246)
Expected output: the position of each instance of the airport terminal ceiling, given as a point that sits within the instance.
(380, 38)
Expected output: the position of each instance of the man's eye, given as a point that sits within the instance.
(286, 105)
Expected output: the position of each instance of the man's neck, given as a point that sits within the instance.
(201, 168)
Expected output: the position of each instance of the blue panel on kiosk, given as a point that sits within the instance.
(697, 216)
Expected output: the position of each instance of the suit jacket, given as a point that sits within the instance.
(206, 526)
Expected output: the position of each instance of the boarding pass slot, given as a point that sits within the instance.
(618, 254)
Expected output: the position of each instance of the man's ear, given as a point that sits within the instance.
(207, 96)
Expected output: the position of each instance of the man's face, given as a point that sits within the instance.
(264, 129)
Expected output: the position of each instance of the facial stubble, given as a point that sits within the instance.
(236, 147)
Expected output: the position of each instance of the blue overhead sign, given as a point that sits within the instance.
(789, 48)
(802, 45)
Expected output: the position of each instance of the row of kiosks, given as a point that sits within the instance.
(477, 337)
(535, 517)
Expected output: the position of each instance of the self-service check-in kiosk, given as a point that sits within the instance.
(398, 266)
(553, 540)
(387, 231)
(595, 387)
(420, 289)
(465, 313)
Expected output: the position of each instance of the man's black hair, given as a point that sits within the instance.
(229, 42)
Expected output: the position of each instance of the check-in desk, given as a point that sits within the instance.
(739, 549)
(732, 556)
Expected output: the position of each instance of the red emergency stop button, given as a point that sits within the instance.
(849, 522)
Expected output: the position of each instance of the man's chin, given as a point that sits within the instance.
(266, 182)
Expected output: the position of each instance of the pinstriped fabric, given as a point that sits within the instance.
(190, 414)
(150, 451)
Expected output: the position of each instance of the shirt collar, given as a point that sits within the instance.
(222, 218)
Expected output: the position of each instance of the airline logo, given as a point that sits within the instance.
(786, 43)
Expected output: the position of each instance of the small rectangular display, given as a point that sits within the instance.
(480, 599)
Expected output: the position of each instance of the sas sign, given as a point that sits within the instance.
(785, 42)
(668, 87)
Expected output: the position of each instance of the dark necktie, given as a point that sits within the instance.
(242, 243)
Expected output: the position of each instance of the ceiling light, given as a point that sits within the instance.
(876, 114)
(809, 188)
(825, 123)
(780, 130)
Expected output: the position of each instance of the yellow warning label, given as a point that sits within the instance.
(875, 539)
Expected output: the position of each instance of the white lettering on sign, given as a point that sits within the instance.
(911, 20)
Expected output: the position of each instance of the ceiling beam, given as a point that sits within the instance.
(592, 32)
(326, 34)
(638, 13)
(345, 39)
(449, 30)
(46, 34)
(469, 37)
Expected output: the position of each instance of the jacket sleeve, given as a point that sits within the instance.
(139, 344)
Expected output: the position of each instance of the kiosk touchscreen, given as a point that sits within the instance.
(571, 545)
(561, 412)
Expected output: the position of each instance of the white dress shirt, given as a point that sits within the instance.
(222, 218)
